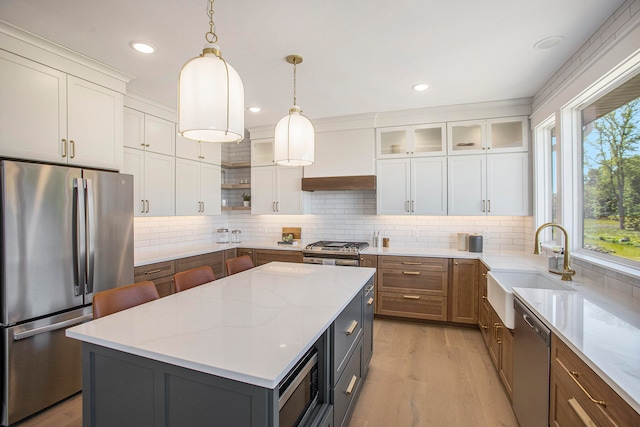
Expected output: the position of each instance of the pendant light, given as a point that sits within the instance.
(210, 95)
(294, 143)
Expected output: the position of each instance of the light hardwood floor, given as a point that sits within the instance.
(420, 375)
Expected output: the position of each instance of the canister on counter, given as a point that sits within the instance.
(223, 235)
(475, 243)
(235, 236)
(463, 239)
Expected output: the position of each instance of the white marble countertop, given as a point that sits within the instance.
(603, 330)
(250, 327)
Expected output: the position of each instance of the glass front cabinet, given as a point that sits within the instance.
(411, 141)
(502, 135)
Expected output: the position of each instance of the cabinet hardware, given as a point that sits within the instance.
(484, 326)
(411, 273)
(483, 205)
(352, 384)
(496, 332)
(142, 143)
(273, 208)
(574, 376)
(142, 211)
(157, 270)
(352, 327)
(147, 211)
(411, 263)
(484, 274)
(412, 206)
(370, 301)
(488, 205)
(277, 206)
(455, 263)
(581, 413)
(64, 148)
(147, 145)
(368, 288)
(484, 297)
(406, 206)
(73, 148)
(411, 296)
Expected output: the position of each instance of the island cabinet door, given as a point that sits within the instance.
(367, 324)
(347, 329)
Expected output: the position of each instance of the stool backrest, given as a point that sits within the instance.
(118, 299)
(192, 278)
(238, 264)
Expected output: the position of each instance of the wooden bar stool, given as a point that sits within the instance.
(192, 278)
(238, 264)
(118, 299)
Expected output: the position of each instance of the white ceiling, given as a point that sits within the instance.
(360, 56)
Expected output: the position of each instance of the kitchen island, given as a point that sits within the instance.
(218, 352)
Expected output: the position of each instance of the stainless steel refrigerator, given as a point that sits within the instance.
(66, 234)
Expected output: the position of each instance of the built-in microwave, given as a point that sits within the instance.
(298, 391)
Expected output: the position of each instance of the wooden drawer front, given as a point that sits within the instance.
(412, 305)
(564, 409)
(347, 328)
(215, 260)
(413, 263)
(586, 386)
(414, 281)
(154, 271)
(347, 387)
(264, 256)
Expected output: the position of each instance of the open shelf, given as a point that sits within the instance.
(236, 208)
(236, 186)
(233, 165)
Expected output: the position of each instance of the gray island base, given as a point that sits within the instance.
(128, 381)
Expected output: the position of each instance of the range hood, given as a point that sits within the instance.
(335, 183)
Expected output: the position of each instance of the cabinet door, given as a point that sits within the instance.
(393, 193)
(508, 134)
(187, 148)
(159, 178)
(429, 140)
(466, 185)
(133, 163)
(33, 122)
(94, 124)
(263, 190)
(429, 186)
(506, 359)
(508, 184)
(188, 187)
(211, 152)
(133, 123)
(392, 142)
(466, 137)
(262, 152)
(289, 198)
(210, 192)
(159, 135)
(464, 291)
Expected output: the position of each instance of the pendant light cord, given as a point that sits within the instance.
(294, 81)
(211, 36)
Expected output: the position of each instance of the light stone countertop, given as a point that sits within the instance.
(602, 328)
(250, 327)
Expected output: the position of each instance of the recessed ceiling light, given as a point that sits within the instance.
(420, 87)
(143, 47)
(548, 43)
(254, 109)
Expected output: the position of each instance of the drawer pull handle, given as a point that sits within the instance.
(157, 270)
(484, 326)
(64, 148)
(581, 413)
(411, 296)
(370, 301)
(496, 334)
(411, 263)
(411, 273)
(352, 385)
(352, 327)
(484, 297)
(574, 377)
(368, 288)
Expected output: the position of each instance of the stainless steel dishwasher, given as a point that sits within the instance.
(531, 353)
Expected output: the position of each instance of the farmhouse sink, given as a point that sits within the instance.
(500, 294)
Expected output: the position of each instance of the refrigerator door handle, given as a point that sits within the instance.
(37, 331)
(80, 237)
(91, 244)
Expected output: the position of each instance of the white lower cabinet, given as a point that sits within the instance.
(493, 184)
(414, 186)
(277, 190)
(47, 115)
(153, 182)
(197, 188)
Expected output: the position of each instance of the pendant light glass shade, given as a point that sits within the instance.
(210, 99)
(294, 142)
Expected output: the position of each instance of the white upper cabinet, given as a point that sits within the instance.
(349, 152)
(412, 186)
(153, 182)
(277, 190)
(146, 132)
(501, 135)
(496, 184)
(411, 141)
(206, 152)
(262, 152)
(197, 188)
(47, 115)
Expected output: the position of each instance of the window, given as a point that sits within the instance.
(611, 173)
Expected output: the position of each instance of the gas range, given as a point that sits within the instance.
(334, 253)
